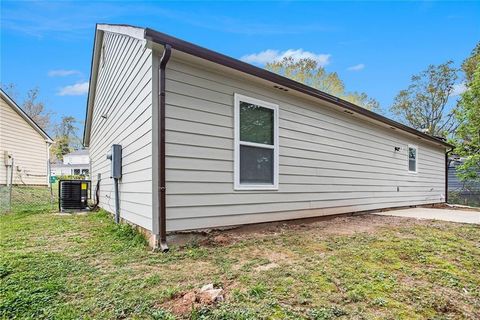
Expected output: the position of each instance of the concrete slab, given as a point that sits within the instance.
(453, 215)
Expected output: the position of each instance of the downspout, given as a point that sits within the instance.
(161, 147)
(446, 173)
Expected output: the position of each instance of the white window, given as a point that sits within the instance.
(256, 144)
(412, 158)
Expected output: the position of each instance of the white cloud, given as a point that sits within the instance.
(74, 90)
(458, 89)
(357, 67)
(271, 55)
(62, 73)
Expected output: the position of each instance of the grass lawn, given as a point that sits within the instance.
(24, 198)
(360, 267)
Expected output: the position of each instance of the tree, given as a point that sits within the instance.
(33, 108)
(467, 136)
(66, 127)
(423, 105)
(66, 139)
(60, 147)
(10, 89)
(307, 71)
(470, 65)
(36, 110)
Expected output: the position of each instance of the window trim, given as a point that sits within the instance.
(237, 143)
(416, 158)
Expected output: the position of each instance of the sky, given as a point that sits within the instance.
(374, 46)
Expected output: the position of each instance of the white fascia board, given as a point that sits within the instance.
(130, 31)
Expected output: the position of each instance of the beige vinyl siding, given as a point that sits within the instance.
(28, 147)
(330, 162)
(124, 96)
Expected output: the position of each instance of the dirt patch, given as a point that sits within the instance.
(220, 239)
(351, 225)
(181, 304)
(184, 303)
(333, 225)
(346, 224)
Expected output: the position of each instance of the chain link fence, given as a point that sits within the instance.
(24, 198)
(464, 197)
(463, 192)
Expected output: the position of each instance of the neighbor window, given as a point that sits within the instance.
(412, 158)
(256, 144)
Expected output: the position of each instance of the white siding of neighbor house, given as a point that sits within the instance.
(28, 147)
(124, 95)
(330, 162)
(76, 159)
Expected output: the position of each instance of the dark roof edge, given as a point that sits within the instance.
(193, 49)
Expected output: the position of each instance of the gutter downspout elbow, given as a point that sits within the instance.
(163, 246)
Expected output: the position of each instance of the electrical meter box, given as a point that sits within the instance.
(8, 158)
(115, 156)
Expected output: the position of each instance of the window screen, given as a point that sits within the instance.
(256, 165)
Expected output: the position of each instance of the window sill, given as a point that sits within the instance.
(255, 188)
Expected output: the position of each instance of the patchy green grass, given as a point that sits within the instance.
(84, 266)
(28, 198)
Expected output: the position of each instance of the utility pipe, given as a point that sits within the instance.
(161, 148)
(117, 200)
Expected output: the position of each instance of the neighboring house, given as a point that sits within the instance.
(455, 184)
(74, 163)
(24, 146)
(211, 141)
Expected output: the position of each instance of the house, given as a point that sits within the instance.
(74, 163)
(210, 141)
(454, 182)
(462, 192)
(24, 146)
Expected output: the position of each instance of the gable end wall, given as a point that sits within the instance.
(28, 147)
(124, 96)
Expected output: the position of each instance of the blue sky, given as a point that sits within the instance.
(374, 46)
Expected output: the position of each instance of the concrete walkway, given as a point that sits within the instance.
(463, 216)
